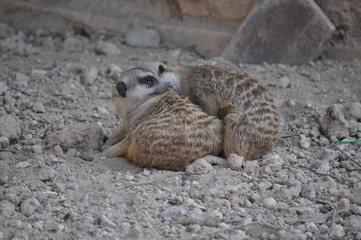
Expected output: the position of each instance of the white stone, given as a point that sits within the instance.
(235, 162)
(173, 212)
(38, 73)
(38, 107)
(270, 202)
(337, 231)
(37, 149)
(284, 81)
(106, 48)
(4, 142)
(305, 142)
(291, 103)
(22, 165)
(199, 167)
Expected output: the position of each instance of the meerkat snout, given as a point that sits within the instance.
(121, 88)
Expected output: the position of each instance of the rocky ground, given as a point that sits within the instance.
(56, 105)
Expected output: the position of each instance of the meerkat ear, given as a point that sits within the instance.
(161, 69)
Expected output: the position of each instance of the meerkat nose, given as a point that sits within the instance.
(161, 69)
(122, 88)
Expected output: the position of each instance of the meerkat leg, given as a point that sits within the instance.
(116, 137)
(241, 138)
(119, 149)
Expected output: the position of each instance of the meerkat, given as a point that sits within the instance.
(249, 114)
(160, 128)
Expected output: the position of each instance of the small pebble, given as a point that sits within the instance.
(102, 110)
(58, 187)
(3, 87)
(38, 107)
(273, 159)
(37, 149)
(22, 165)
(30, 206)
(73, 186)
(343, 204)
(284, 82)
(106, 48)
(270, 202)
(235, 162)
(146, 172)
(199, 167)
(50, 193)
(291, 103)
(3, 178)
(47, 174)
(88, 76)
(337, 231)
(38, 73)
(59, 151)
(7, 209)
(106, 222)
(87, 158)
(4, 142)
(356, 210)
(135, 233)
(173, 212)
(251, 167)
(19, 77)
(305, 142)
(129, 177)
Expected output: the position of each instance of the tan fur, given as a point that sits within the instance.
(164, 131)
(251, 119)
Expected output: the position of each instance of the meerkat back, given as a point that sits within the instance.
(173, 133)
(247, 109)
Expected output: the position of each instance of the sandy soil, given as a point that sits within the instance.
(54, 85)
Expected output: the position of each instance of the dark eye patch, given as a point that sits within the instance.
(148, 80)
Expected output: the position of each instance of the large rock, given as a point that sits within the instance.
(346, 16)
(281, 31)
(207, 40)
(229, 11)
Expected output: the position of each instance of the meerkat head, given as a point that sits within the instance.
(135, 87)
(170, 78)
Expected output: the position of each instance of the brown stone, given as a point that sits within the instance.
(281, 31)
(228, 11)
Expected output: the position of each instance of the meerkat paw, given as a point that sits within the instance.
(105, 147)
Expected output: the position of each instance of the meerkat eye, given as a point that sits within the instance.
(148, 80)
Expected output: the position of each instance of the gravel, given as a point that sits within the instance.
(56, 106)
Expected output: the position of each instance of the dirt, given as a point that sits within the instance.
(53, 84)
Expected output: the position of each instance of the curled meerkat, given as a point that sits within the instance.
(160, 129)
(250, 117)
